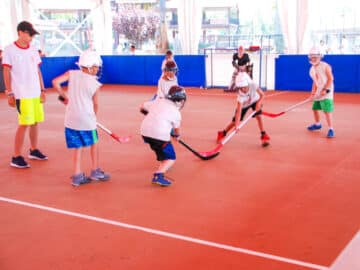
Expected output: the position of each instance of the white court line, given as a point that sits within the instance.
(349, 257)
(204, 93)
(167, 234)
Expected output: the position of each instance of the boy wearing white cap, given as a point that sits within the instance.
(81, 101)
(249, 96)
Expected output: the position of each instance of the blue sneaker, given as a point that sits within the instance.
(331, 133)
(159, 179)
(99, 175)
(80, 179)
(314, 127)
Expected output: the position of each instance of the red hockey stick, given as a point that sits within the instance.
(114, 136)
(286, 110)
(218, 147)
(291, 107)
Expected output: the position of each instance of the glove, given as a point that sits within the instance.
(143, 111)
(63, 99)
(175, 135)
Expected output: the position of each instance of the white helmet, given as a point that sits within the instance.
(315, 55)
(89, 58)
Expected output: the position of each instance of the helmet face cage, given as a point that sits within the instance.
(315, 59)
(174, 69)
(315, 56)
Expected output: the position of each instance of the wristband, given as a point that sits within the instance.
(10, 94)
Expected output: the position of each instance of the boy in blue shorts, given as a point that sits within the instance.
(80, 116)
(322, 91)
(162, 116)
(25, 91)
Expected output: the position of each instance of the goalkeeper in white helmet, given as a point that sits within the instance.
(249, 96)
(81, 101)
(322, 91)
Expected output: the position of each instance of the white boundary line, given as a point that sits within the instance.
(204, 93)
(349, 257)
(166, 234)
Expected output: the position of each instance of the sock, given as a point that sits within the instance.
(318, 123)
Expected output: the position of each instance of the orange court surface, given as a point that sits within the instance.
(293, 205)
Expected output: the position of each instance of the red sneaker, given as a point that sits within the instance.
(220, 136)
(265, 140)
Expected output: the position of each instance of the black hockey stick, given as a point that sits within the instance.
(201, 155)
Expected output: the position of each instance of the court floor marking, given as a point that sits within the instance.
(204, 93)
(166, 234)
(349, 257)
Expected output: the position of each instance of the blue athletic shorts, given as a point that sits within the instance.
(163, 150)
(80, 138)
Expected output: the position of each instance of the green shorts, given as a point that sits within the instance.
(327, 105)
(30, 111)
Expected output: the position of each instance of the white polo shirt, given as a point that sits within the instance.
(24, 64)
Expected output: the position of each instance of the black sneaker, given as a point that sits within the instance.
(36, 154)
(19, 162)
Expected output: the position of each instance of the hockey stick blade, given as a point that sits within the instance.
(201, 155)
(229, 136)
(272, 114)
(114, 136)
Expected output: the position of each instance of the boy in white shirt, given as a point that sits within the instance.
(162, 116)
(322, 91)
(25, 90)
(167, 79)
(80, 116)
(249, 96)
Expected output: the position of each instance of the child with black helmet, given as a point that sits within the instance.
(163, 116)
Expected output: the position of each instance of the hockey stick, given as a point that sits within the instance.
(286, 110)
(291, 107)
(202, 155)
(114, 136)
(216, 150)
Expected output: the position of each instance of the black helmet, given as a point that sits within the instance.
(176, 94)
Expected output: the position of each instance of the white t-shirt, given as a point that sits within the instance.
(164, 86)
(318, 75)
(80, 113)
(24, 64)
(163, 115)
(247, 99)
